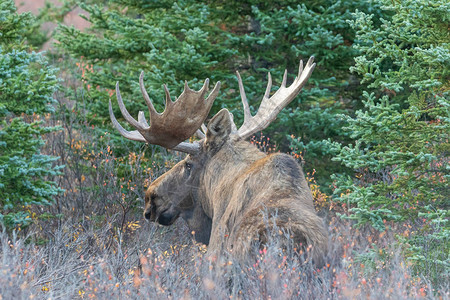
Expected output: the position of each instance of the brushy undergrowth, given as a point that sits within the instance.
(95, 244)
(84, 260)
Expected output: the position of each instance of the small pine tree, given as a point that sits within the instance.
(400, 155)
(27, 84)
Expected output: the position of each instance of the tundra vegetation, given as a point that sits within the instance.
(370, 130)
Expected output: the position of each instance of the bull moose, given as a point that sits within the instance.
(225, 184)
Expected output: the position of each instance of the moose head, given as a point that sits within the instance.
(225, 184)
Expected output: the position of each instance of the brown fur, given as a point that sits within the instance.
(224, 191)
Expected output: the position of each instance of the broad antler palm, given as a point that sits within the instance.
(179, 121)
(271, 106)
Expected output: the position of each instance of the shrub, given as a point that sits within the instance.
(400, 155)
(27, 84)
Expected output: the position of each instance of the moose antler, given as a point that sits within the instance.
(270, 107)
(179, 121)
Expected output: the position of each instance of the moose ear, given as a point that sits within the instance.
(219, 128)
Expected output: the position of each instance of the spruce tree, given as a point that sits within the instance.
(27, 84)
(400, 155)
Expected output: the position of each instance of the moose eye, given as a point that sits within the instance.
(188, 168)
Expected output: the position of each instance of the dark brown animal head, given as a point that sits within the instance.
(169, 195)
(176, 193)
(224, 183)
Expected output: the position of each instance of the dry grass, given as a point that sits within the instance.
(86, 259)
(98, 246)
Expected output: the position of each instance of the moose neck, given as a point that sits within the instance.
(199, 224)
(222, 170)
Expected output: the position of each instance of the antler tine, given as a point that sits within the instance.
(204, 88)
(233, 125)
(271, 106)
(125, 112)
(133, 135)
(142, 120)
(212, 96)
(247, 113)
(283, 84)
(150, 106)
(269, 86)
(300, 68)
(168, 99)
